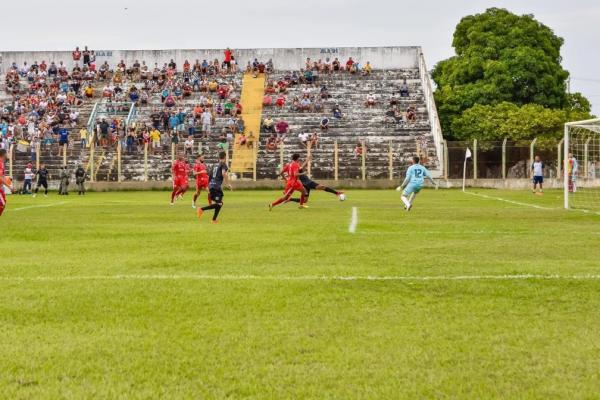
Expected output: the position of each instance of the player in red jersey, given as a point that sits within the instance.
(201, 179)
(292, 173)
(3, 181)
(180, 171)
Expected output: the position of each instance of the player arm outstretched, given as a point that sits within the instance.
(434, 183)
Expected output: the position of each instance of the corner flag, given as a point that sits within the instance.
(468, 154)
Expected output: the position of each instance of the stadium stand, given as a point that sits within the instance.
(380, 106)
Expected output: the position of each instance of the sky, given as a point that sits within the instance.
(168, 24)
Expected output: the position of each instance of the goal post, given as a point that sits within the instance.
(581, 169)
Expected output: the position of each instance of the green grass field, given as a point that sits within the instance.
(118, 295)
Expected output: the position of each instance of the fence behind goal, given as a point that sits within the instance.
(582, 165)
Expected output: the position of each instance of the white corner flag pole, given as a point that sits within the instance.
(467, 156)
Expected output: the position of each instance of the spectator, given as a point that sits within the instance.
(411, 114)
(370, 102)
(358, 150)
(83, 135)
(228, 57)
(206, 122)
(272, 143)
(337, 113)
(280, 102)
(188, 145)
(404, 89)
(324, 124)
(63, 188)
(267, 101)
(76, 54)
(281, 127)
(349, 64)
(27, 182)
(155, 140)
(304, 137)
(366, 70)
(314, 140)
(268, 125)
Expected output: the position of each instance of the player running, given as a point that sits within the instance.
(180, 172)
(3, 181)
(415, 177)
(309, 185)
(218, 176)
(291, 172)
(201, 178)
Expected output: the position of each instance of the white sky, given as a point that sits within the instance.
(166, 24)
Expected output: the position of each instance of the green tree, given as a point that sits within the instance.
(501, 57)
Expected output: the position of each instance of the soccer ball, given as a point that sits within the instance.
(342, 197)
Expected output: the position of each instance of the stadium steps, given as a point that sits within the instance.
(251, 100)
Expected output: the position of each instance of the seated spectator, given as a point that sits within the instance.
(308, 76)
(281, 127)
(241, 126)
(305, 104)
(280, 102)
(337, 113)
(393, 101)
(303, 137)
(358, 150)
(370, 102)
(404, 89)
(272, 143)
(267, 101)
(89, 91)
(349, 64)
(336, 65)
(231, 125)
(366, 70)
(324, 92)
(314, 140)
(242, 139)
(250, 140)
(324, 124)
(318, 106)
(228, 108)
(411, 114)
(170, 101)
(270, 88)
(223, 144)
(268, 125)
(269, 66)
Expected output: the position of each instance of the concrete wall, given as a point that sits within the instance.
(510, 184)
(289, 58)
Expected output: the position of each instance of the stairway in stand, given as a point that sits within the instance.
(251, 100)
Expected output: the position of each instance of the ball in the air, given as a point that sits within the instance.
(342, 197)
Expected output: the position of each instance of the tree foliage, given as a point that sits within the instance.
(502, 59)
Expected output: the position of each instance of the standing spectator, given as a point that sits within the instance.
(103, 127)
(76, 54)
(80, 180)
(63, 142)
(538, 175)
(349, 64)
(28, 179)
(228, 57)
(189, 145)
(282, 127)
(86, 56)
(303, 137)
(83, 134)
(206, 122)
(404, 89)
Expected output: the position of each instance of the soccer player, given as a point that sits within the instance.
(291, 172)
(415, 176)
(42, 175)
(218, 176)
(309, 184)
(201, 178)
(180, 171)
(538, 174)
(3, 181)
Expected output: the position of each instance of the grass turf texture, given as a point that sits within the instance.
(260, 338)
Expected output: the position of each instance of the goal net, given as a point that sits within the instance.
(581, 171)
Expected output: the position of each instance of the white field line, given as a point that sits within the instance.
(353, 220)
(518, 203)
(39, 206)
(276, 278)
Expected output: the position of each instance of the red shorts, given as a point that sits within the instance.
(201, 183)
(292, 186)
(2, 201)
(180, 182)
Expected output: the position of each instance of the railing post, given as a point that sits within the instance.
(308, 152)
(10, 161)
(335, 160)
(475, 159)
(92, 150)
(280, 157)
(65, 154)
(172, 152)
(586, 148)
(504, 159)
(390, 161)
(145, 162)
(119, 150)
(531, 156)
(363, 161)
(254, 157)
(38, 148)
(446, 162)
(559, 165)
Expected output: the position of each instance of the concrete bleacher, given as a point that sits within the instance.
(359, 123)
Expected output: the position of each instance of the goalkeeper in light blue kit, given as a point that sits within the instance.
(415, 177)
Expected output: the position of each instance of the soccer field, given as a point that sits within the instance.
(118, 295)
